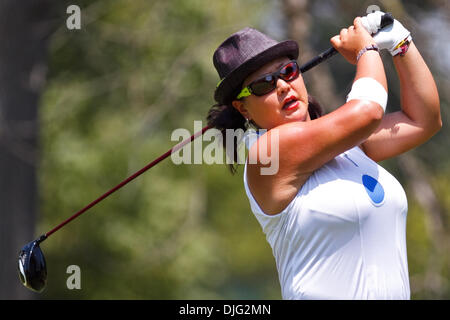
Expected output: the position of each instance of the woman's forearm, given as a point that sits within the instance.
(419, 95)
(370, 65)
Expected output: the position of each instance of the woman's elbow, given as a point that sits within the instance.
(435, 121)
(372, 110)
(437, 124)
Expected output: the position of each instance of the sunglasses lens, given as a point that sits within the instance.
(262, 86)
(266, 84)
(289, 71)
(32, 267)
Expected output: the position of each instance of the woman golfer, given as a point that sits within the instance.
(334, 218)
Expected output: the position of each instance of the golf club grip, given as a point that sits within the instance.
(386, 20)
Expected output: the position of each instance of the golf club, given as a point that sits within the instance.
(31, 263)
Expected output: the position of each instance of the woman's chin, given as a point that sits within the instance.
(297, 115)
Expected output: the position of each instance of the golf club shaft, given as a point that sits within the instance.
(386, 20)
(318, 59)
(124, 182)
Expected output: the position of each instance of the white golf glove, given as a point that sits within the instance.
(391, 37)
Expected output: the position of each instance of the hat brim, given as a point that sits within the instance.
(227, 86)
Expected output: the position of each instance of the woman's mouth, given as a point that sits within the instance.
(291, 104)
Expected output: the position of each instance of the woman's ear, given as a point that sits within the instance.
(239, 106)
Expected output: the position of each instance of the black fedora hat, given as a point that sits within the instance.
(243, 53)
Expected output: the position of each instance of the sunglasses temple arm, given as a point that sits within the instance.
(130, 178)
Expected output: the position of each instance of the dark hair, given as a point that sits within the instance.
(223, 117)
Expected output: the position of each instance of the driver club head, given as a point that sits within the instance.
(32, 267)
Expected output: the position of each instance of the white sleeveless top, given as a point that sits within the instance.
(343, 236)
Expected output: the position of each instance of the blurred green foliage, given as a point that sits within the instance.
(117, 88)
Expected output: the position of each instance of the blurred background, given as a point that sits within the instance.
(80, 110)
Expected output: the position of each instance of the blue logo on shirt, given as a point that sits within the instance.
(373, 188)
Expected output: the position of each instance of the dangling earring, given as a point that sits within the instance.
(247, 124)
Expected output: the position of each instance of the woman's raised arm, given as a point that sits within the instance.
(419, 118)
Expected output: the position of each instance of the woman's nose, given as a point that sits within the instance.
(282, 86)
